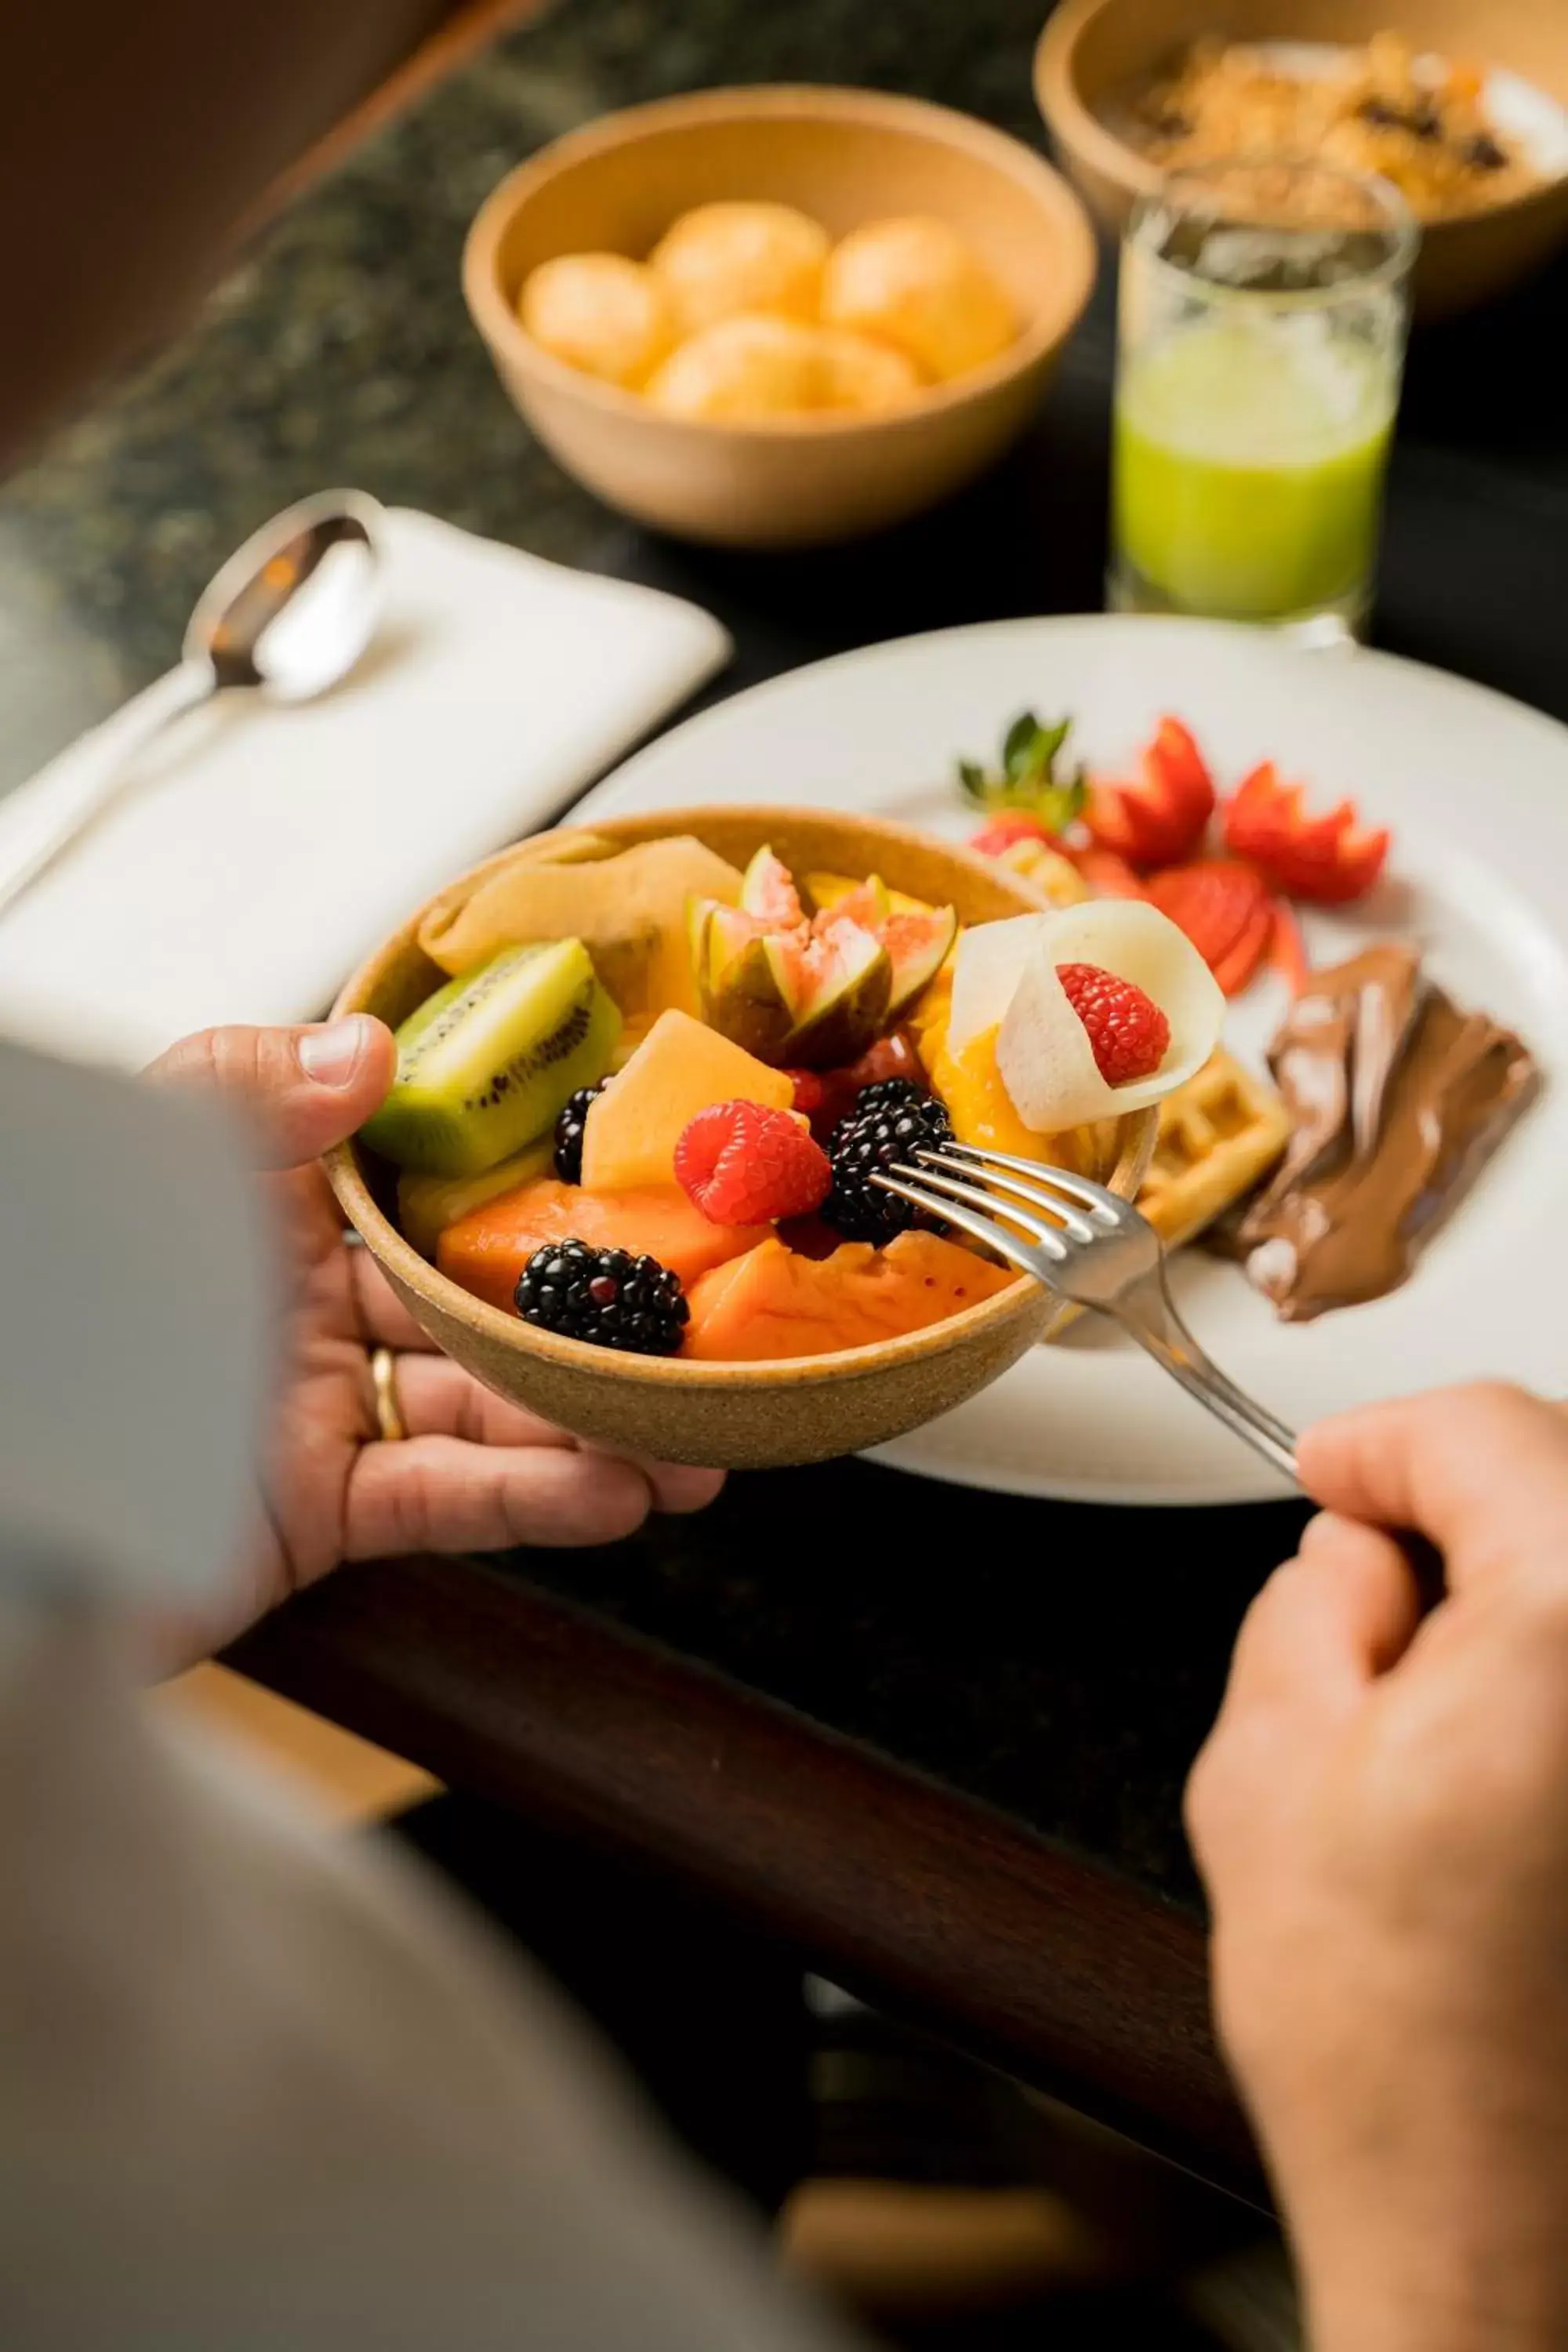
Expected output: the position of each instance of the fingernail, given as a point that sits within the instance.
(332, 1055)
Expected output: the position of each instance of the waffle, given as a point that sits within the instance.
(1218, 1134)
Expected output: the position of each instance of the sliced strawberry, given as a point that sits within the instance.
(1108, 874)
(1246, 950)
(1288, 949)
(1003, 830)
(1174, 753)
(1328, 860)
(1160, 817)
(1215, 900)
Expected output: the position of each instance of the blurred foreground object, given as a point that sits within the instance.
(154, 116)
(258, 2086)
(132, 1309)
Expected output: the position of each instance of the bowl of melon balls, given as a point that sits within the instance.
(778, 317)
(651, 1075)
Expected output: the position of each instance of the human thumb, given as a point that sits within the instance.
(299, 1090)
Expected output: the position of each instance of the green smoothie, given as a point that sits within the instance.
(1248, 469)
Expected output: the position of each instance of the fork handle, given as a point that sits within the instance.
(1193, 1371)
(1147, 1312)
(1181, 1357)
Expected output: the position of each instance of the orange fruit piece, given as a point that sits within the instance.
(681, 1067)
(772, 1303)
(488, 1249)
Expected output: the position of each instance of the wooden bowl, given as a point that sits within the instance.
(746, 1415)
(845, 156)
(1091, 49)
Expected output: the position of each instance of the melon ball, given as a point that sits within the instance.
(723, 259)
(599, 312)
(860, 373)
(916, 284)
(740, 369)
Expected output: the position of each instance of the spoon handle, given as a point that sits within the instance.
(36, 846)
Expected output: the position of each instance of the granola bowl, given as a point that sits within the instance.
(1482, 231)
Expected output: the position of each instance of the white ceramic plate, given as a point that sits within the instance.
(1475, 789)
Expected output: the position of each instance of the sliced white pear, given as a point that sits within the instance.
(985, 974)
(1043, 1053)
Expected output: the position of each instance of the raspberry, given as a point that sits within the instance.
(1128, 1032)
(743, 1165)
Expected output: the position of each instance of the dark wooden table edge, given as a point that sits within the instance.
(925, 1902)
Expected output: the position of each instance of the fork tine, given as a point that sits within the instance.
(1046, 1233)
(1061, 1210)
(1097, 1198)
(980, 1229)
(1164, 1333)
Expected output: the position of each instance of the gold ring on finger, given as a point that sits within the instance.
(389, 1418)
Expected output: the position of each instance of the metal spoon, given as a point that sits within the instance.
(291, 613)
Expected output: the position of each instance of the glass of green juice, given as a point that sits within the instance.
(1261, 338)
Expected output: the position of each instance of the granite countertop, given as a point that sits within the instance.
(340, 349)
(1061, 1662)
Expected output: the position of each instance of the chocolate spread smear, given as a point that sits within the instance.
(1396, 1097)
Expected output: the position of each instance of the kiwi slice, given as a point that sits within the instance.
(484, 1065)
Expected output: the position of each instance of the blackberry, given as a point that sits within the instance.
(604, 1295)
(569, 1133)
(882, 1093)
(890, 1121)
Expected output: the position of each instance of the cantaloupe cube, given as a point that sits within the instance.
(773, 1303)
(681, 1067)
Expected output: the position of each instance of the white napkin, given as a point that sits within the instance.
(262, 849)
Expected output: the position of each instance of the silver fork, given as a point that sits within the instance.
(1085, 1243)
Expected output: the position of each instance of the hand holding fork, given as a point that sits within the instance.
(1085, 1244)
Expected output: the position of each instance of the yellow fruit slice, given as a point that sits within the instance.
(980, 1108)
(681, 1067)
(426, 1205)
(825, 890)
(628, 909)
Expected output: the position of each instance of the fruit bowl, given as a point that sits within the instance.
(745, 1415)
